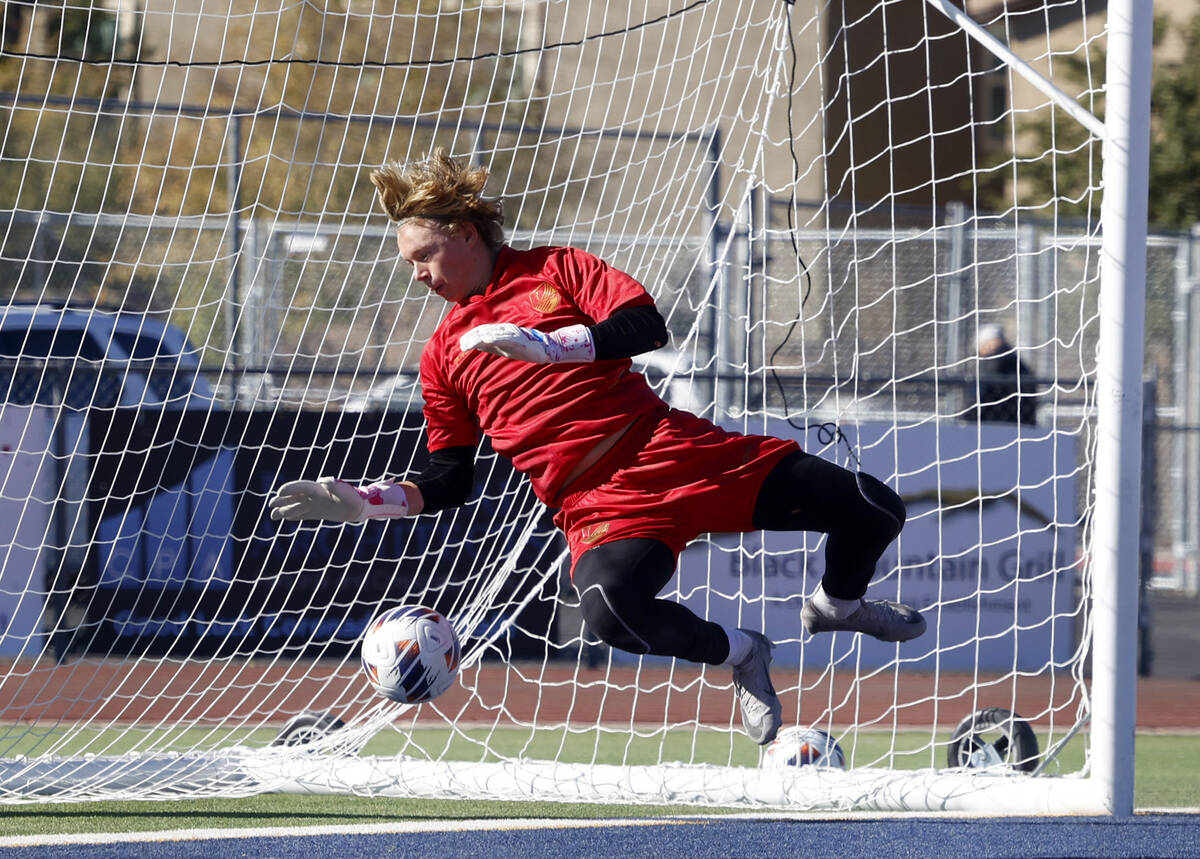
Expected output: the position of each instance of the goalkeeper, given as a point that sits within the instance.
(534, 353)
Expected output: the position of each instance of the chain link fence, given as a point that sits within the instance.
(819, 323)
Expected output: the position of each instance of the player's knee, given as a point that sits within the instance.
(604, 622)
(888, 510)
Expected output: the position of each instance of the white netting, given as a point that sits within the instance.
(204, 302)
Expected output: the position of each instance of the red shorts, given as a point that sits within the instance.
(672, 477)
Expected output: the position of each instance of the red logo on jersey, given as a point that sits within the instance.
(591, 533)
(545, 298)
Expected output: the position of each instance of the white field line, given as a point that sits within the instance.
(398, 827)
(492, 825)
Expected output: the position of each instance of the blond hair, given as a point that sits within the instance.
(442, 190)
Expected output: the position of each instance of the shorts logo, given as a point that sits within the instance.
(591, 533)
(545, 298)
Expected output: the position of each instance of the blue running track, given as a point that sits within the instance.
(1153, 835)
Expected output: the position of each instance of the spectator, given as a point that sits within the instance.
(1006, 392)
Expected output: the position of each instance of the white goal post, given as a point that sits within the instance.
(830, 203)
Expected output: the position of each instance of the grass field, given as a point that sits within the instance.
(1167, 767)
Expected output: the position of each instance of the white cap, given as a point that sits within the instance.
(988, 333)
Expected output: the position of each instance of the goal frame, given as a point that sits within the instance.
(1112, 551)
(1117, 525)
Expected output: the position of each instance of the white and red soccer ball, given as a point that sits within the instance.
(803, 747)
(410, 654)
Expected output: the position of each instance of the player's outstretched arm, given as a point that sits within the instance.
(445, 482)
(572, 344)
(336, 500)
(629, 331)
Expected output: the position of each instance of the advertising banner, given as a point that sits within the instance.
(988, 553)
(186, 560)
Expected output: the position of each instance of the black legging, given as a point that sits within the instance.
(618, 582)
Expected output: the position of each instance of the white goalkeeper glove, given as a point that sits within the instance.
(335, 500)
(571, 344)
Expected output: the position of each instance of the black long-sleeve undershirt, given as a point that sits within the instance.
(629, 331)
(446, 482)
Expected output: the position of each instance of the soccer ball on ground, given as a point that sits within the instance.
(410, 654)
(799, 747)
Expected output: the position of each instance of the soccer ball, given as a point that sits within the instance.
(410, 654)
(799, 747)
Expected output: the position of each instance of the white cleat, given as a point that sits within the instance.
(762, 711)
(887, 621)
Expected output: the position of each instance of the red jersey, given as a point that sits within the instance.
(543, 417)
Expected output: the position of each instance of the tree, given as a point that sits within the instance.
(1068, 162)
(1175, 137)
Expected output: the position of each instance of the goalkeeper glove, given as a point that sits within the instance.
(332, 499)
(571, 344)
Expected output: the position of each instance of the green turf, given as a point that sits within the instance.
(907, 750)
(1166, 778)
(1165, 771)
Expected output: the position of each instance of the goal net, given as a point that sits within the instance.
(833, 205)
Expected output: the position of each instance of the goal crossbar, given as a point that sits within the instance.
(1021, 67)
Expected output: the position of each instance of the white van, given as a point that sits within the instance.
(58, 366)
(81, 357)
